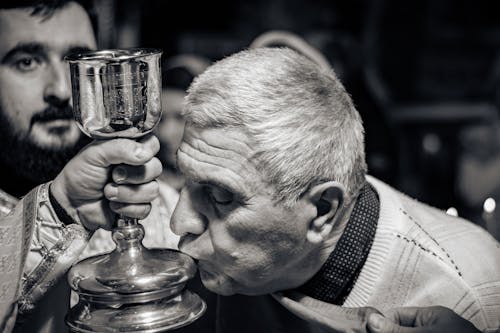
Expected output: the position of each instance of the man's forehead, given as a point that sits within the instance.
(67, 25)
(221, 156)
(230, 139)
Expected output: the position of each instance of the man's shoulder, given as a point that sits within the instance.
(449, 240)
(430, 257)
(411, 215)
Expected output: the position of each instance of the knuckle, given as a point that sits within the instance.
(155, 187)
(122, 142)
(150, 192)
(111, 192)
(124, 147)
(155, 144)
(153, 170)
(157, 165)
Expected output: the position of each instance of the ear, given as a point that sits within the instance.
(328, 199)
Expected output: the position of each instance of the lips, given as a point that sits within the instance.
(52, 113)
(184, 245)
(206, 269)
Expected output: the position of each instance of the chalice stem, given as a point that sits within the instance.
(128, 235)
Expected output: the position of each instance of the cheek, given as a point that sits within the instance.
(20, 99)
(257, 250)
(272, 232)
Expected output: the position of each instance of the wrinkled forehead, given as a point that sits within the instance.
(68, 25)
(224, 138)
(223, 156)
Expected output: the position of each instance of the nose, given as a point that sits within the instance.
(186, 218)
(58, 88)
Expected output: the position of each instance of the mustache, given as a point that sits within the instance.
(52, 113)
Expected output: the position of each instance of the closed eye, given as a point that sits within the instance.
(219, 195)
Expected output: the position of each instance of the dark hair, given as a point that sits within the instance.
(46, 8)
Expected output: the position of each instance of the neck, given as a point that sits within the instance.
(349, 248)
(313, 262)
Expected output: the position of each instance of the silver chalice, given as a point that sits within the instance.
(116, 93)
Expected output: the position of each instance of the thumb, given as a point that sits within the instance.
(379, 324)
(122, 151)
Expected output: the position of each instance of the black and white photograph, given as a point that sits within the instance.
(265, 166)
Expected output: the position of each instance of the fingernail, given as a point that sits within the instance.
(120, 174)
(375, 321)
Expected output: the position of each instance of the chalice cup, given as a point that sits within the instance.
(116, 93)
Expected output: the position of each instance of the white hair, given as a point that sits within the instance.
(303, 125)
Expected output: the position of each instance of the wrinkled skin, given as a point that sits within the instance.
(245, 242)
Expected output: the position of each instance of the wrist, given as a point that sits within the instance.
(61, 213)
(65, 211)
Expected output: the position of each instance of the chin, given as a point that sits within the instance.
(217, 283)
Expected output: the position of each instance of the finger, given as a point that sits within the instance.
(379, 324)
(418, 316)
(127, 174)
(136, 211)
(132, 194)
(95, 215)
(122, 151)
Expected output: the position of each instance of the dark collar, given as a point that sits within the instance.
(333, 282)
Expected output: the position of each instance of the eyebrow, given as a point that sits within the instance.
(76, 49)
(32, 48)
(40, 49)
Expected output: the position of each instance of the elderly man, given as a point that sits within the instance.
(45, 232)
(277, 206)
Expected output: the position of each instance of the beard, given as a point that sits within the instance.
(28, 161)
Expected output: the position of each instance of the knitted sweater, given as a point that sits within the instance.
(420, 257)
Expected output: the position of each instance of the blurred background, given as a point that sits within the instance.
(425, 76)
